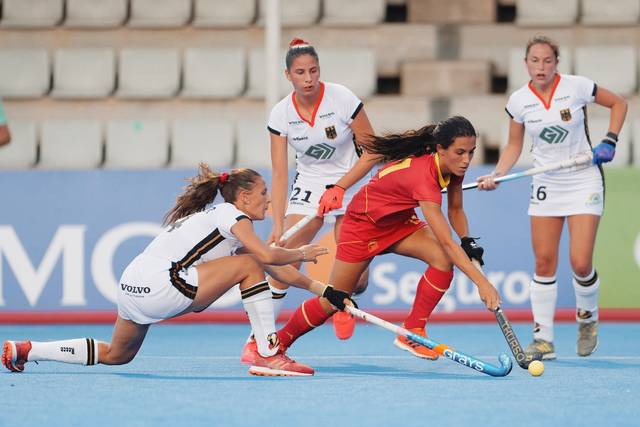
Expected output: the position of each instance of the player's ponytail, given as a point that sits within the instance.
(203, 189)
(421, 141)
(299, 47)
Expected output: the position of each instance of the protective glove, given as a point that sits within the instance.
(331, 199)
(604, 152)
(337, 297)
(472, 249)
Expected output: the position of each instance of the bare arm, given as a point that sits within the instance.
(279, 183)
(508, 158)
(438, 223)
(362, 130)
(455, 211)
(618, 106)
(5, 136)
(273, 255)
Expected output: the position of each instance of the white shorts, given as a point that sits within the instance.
(565, 194)
(305, 197)
(146, 293)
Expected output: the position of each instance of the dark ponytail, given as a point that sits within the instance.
(299, 47)
(203, 189)
(422, 141)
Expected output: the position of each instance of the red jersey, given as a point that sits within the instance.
(400, 186)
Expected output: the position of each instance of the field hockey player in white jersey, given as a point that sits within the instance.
(200, 254)
(325, 123)
(551, 108)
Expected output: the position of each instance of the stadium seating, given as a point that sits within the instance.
(22, 152)
(136, 144)
(546, 12)
(148, 73)
(95, 13)
(159, 13)
(389, 114)
(31, 13)
(60, 138)
(217, 13)
(214, 73)
(445, 78)
(610, 12)
(620, 73)
(486, 113)
(24, 73)
(353, 12)
(253, 146)
(451, 11)
(83, 73)
(295, 13)
(201, 140)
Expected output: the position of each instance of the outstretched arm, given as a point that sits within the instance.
(438, 223)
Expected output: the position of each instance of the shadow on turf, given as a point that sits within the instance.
(595, 364)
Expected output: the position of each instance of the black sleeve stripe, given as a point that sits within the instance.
(355, 113)
(273, 131)
(510, 115)
(595, 89)
(238, 218)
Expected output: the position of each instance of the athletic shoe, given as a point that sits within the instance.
(541, 350)
(279, 365)
(15, 355)
(413, 347)
(343, 324)
(587, 338)
(249, 352)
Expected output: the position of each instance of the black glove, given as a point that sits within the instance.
(337, 297)
(473, 250)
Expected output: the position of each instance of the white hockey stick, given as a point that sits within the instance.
(579, 160)
(296, 227)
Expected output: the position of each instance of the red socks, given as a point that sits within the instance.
(431, 287)
(308, 316)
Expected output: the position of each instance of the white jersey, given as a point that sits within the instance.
(162, 281)
(198, 238)
(558, 129)
(325, 147)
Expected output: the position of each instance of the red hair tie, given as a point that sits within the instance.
(223, 178)
(297, 42)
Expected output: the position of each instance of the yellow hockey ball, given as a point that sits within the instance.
(536, 368)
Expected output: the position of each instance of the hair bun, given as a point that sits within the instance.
(297, 42)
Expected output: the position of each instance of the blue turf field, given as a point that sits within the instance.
(190, 375)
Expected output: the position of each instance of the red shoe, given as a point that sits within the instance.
(279, 365)
(343, 324)
(413, 347)
(15, 355)
(249, 352)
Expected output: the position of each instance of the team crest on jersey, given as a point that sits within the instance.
(554, 134)
(331, 132)
(565, 114)
(320, 151)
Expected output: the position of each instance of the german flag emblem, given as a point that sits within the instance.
(565, 114)
(331, 132)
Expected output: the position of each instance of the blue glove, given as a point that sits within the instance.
(605, 151)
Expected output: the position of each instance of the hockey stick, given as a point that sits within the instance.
(579, 160)
(521, 358)
(296, 227)
(442, 349)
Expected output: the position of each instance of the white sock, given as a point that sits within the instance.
(79, 351)
(258, 304)
(278, 300)
(543, 294)
(587, 291)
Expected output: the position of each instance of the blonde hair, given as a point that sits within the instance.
(540, 39)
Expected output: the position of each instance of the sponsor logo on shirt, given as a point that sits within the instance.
(562, 98)
(554, 134)
(296, 122)
(320, 151)
(300, 138)
(534, 121)
(531, 105)
(327, 115)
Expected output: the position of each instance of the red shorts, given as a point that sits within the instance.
(361, 239)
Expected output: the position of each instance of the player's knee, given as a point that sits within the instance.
(545, 265)
(117, 357)
(253, 269)
(581, 268)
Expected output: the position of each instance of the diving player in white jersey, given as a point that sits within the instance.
(551, 108)
(199, 255)
(326, 124)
